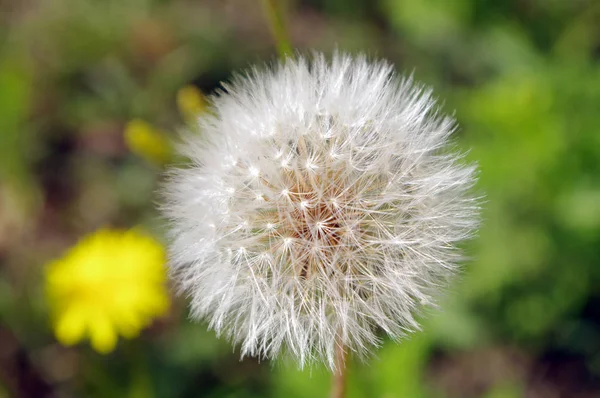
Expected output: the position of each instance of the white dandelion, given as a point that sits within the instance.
(322, 208)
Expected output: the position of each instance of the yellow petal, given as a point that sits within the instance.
(70, 326)
(128, 322)
(102, 334)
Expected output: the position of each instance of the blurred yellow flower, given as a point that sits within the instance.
(191, 102)
(150, 143)
(145, 140)
(111, 283)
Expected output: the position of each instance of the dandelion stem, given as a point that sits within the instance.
(339, 375)
(274, 13)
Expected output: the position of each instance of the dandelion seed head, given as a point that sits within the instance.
(363, 204)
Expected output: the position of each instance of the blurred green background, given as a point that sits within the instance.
(523, 78)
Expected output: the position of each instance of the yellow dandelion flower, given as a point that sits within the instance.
(191, 102)
(145, 140)
(111, 283)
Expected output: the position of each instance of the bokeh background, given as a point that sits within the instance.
(523, 78)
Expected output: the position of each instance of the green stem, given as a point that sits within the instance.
(338, 389)
(274, 13)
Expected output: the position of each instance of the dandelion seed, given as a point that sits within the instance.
(368, 201)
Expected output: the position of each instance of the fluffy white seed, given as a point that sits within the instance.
(335, 205)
